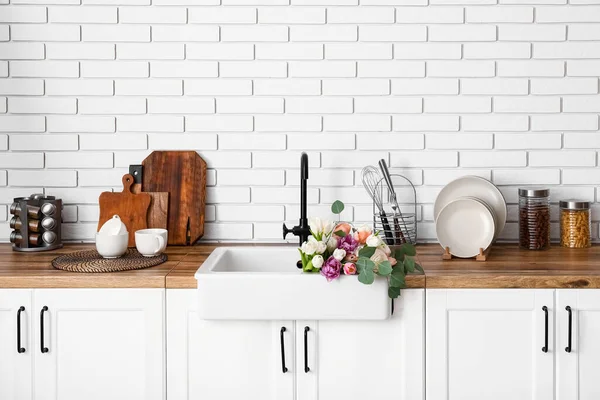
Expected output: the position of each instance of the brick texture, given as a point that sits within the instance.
(503, 89)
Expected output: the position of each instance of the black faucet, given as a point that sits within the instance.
(302, 230)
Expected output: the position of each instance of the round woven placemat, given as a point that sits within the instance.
(91, 261)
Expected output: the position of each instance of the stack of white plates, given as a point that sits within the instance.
(470, 213)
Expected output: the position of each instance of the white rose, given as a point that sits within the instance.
(339, 254)
(316, 225)
(317, 261)
(386, 249)
(332, 244)
(309, 247)
(321, 247)
(374, 241)
(378, 256)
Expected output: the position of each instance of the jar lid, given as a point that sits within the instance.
(573, 204)
(534, 192)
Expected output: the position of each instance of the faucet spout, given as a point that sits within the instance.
(303, 189)
(304, 166)
(302, 230)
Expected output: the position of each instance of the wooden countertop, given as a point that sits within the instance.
(34, 270)
(507, 267)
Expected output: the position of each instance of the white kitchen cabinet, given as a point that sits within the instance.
(358, 360)
(101, 344)
(225, 360)
(229, 360)
(15, 365)
(577, 369)
(487, 344)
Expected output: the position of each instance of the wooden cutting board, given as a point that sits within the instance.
(132, 208)
(158, 212)
(183, 175)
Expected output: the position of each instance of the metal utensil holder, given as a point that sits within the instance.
(400, 227)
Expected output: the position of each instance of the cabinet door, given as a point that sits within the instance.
(225, 360)
(487, 344)
(102, 344)
(15, 366)
(359, 360)
(577, 370)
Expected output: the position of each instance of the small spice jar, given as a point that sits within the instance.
(534, 218)
(575, 224)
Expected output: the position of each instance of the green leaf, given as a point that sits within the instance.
(364, 263)
(337, 207)
(397, 278)
(303, 258)
(408, 249)
(340, 233)
(367, 252)
(399, 255)
(409, 265)
(384, 268)
(366, 276)
(309, 267)
(393, 292)
(419, 268)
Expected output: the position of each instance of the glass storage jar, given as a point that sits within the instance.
(575, 224)
(534, 218)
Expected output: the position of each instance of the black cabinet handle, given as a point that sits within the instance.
(306, 369)
(19, 348)
(283, 367)
(568, 308)
(545, 348)
(42, 348)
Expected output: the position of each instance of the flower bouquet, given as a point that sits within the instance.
(339, 248)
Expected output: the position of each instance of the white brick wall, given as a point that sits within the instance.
(504, 89)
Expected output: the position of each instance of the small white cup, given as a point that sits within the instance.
(111, 246)
(151, 242)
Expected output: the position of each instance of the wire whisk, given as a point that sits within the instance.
(370, 179)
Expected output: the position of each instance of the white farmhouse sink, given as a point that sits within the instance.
(263, 283)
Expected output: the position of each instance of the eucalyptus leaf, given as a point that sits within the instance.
(337, 207)
(399, 255)
(408, 249)
(384, 268)
(397, 278)
(393, 292)
(409, 264)
(367, 252)
(419, 268)
(364, 263)
(366, 276)
(340, 233)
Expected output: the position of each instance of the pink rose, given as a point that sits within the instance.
(362, 234)
(349, 269)
(344, 227)
(392, 261)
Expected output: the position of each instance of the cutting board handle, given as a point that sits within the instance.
(128, 181)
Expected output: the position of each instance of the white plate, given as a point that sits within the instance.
(477, 187)
(464, 226)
